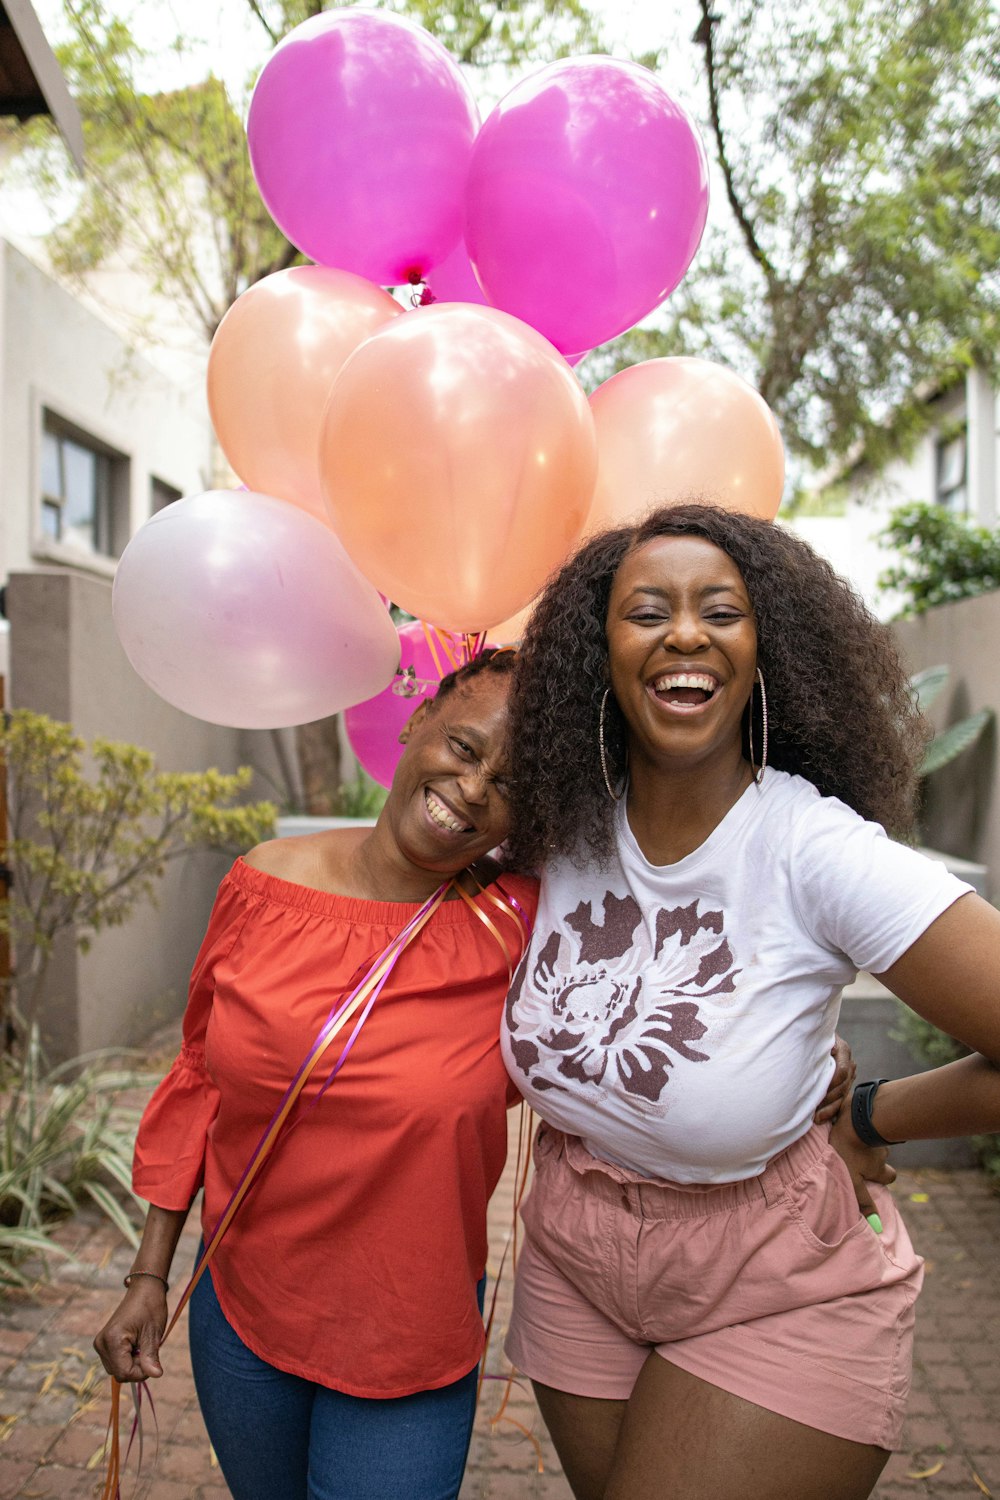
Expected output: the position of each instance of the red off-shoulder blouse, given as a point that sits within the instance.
(355, 1258)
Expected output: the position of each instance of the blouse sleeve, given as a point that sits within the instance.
(169, 1160)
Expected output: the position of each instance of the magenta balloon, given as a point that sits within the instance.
(245, 610)
(454, 280)
(360, 131)
(373, 728)
(586, 199)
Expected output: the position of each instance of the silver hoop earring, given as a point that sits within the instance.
(615, 796)
(758, 771)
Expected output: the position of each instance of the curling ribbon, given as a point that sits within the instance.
(362, 998)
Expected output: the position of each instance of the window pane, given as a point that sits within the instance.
(85, 488)
(51, 518)
(51, 467)
(951, 464)
(80, 508)
(80, 466)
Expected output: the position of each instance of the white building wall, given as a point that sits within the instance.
(57, 355)
(850, 541)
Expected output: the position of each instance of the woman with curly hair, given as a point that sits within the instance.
(711, 734)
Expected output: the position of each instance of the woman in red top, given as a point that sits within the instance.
(351, 1272)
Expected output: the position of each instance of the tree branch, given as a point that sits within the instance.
(259, 13)
(468, 55)
(705, 38)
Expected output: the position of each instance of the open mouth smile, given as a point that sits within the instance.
(442, 815)
(687, 691)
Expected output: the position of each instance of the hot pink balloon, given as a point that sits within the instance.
(454, 280)
(586, 199)
(244, 610)
(360, 132)
(373, 728)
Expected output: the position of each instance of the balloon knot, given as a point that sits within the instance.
(426, 297)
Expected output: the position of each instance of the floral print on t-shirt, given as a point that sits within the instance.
(614, 1002)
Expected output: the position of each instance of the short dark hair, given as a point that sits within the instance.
(841, 712)
(497, 660)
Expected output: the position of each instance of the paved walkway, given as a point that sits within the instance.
(54, 1399)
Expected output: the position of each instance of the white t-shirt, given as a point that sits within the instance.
(679, 1018)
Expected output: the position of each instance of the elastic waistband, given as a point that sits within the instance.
(655, 1198)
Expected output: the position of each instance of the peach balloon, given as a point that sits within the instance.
(274, 357)
(509, 632)
(679, 429)
(458, 461)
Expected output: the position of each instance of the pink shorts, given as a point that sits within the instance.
(774, 1289)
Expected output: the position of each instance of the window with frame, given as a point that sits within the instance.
(84, 490)
(950, 472)
(161, 495)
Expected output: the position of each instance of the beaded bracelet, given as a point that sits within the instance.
(132, 1274)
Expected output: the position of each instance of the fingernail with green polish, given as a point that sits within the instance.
(875, 1222)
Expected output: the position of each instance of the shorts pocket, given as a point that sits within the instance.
(549, 1185)
(824, 1207)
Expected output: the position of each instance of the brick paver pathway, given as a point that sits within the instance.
(53, 1402)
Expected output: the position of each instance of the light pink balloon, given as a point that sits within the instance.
(373, 728)
(243, 610)
(586, 199)
(360, 132)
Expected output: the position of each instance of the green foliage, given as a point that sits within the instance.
(479, 33)
(87, 843)
(937, 1048)
(849, 262)
(361, 798)
(954, 740)
(66, 1141)
(856, 140)
(941, 558)
(957, 738)
(926, 686)
(168, 181)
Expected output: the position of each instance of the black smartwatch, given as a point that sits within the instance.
(862, 1101)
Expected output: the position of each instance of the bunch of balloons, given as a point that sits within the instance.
(445, 457)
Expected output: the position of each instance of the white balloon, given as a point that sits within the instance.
(246, 611)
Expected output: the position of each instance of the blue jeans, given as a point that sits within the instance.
(280, 1437)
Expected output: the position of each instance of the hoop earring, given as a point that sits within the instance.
(758, 771)
(615, 796)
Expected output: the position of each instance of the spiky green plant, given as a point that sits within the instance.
(66, 1140)
(951, 742)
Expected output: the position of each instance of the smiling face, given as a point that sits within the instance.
(447, 805)
(682, 650)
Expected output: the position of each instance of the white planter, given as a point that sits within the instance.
(299, 823)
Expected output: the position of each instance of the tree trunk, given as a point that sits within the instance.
(318, 750)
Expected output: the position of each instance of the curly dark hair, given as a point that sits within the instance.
(840, 709)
